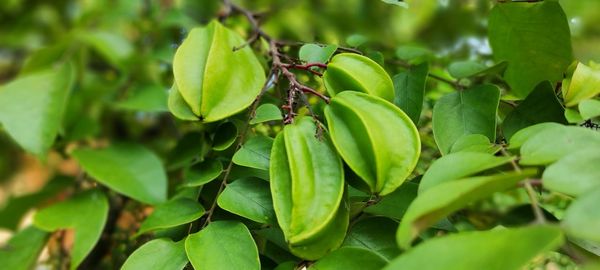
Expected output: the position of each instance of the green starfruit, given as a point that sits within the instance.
(214, 76)
(307, 186)
(376, 139)
(348, 71)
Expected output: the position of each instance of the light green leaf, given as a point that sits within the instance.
(584, 84)
(541, 105)
(459, 165)
(178, 107)
(266, 112)
(582, 218)
(114, 48)
(589, 108)
(474, 143)
(443, 199)
(512, 250)
(350, 258)
(409, 87)
(356, 40)
(313, 53)
(86, 213)
(32, 107)
(222, 245)
(413, 54)
(203, 172)
(471, 111)
(573, 116)
(534, 39)
(171, 214)
(466, 69)
(553, 143)
(129, 169)
(375, 234)
(519, 138)
(254, 153)
(152, 98)
(574, 174)
(158, 254)
(399, 3)
(23, 249)
(249, 198)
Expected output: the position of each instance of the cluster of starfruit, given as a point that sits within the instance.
(364, 129)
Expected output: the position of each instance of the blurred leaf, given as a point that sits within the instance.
(582, 219)
(399, 3)
(203, 172)
(513, 249)
(85, 213)
(188, 148)
(23, 249)
(535, 40)
(563, 139)
(350, 258)
(375, 234)
(574, 174)
(115, 48)
(172, 213)
(589, 108)
(266, 112)
(471, 111)
(249, 198)
(413, 54)
(409, 87)
(584, 84)
(255, 153)
(158, 254)
(356, 40)
(146, 99)
(313, 53)
(129, 169)
(466, 69)
(222, 245)
(32, 107)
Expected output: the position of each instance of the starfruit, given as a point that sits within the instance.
(307, 186)
(376, 139)
(348, 71)
(212, 80)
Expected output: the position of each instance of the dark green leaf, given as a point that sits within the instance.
(249, 198)
(409, 87)
(254, 153)
(203, 172)
(376, 234)
(225, 136)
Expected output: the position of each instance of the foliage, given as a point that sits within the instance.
(300, 134)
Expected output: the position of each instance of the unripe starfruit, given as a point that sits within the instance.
(212, 80)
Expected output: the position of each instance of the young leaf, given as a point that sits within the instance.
(158, 254)
(350, 258)
(222, 245)
(254, 153)
(375, 234)
(249, 198)
(214, 80)
(409, 88)
(472, 111)
(85, 213)
(266, 112)
(347, 71)
(540, 31)
(512, 250)
(129, 169)
(23, 249)
(32, 107)
(151, 98)
(582, 218)
(574, 174)
(563, 139)
(589, 108)
(457, 166)
(584, 84)
(172, 213)
(313, 53)
(375, 138)
(445, 198)
(202, 173)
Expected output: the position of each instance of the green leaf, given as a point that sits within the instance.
(32, 107)
(541, 105)
(225, 136)
(354, 72)
(375, 234)
(254, 153)
(555, 142)
(313, 53)
(574, 174)
(266, 112)
(466, 69)
(376, 139)
(519, 138)
(409, 87)
(589, 108)
(114, 48)
(394, 205)
(512, 250)
(222, 245)
(399, 3)
(443, 199)
(158, 254)
(413, 54)
(474, 143)
(129, 169)
(152, 98)
(459, 165)
(249, 198)
(16, 207)
(472, 111)
(202, 173)
(573, 116)
(190, 147)
(584, 84)
(582, 219)
(171, 214)
(214, 80)
(356, 40)
(86, 213)
(534, 39)
(23, 249)
(350, 258)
